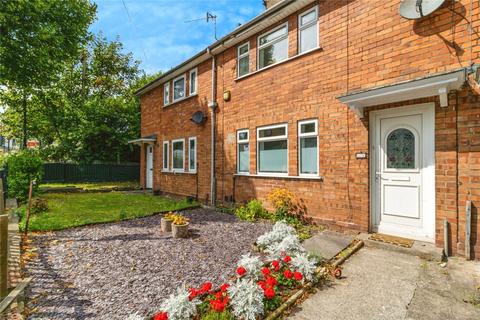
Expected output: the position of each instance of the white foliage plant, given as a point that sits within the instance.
(135, 316)
(252, 264)
(179, 307)
(290, 245)
(279, 232)
(305, 264)
(246, 299)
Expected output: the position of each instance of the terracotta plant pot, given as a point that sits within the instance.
(166, 225)
(180, 231)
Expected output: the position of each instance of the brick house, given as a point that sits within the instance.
(372, 119)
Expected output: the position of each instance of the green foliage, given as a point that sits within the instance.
(252, 211)
(39, 205)
(212, 315)
(23, 167)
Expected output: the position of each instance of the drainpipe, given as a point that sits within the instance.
(212, 104)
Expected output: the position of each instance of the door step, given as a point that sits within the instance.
(420, 249)
(398, 241)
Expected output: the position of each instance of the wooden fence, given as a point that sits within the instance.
(71, 173)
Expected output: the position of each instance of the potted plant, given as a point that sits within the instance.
(179, 226)
(166, 222)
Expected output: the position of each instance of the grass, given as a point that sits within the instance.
(92, 185)
(79, 209)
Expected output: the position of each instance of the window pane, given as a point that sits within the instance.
(243, 66)
(274, 132)
(273, 53)
(308, 38)
(307, 127)
(274, 35)
(165, 156)
(166, 94)
(309, 17)
(243, 157)
(193, 82)
(243, 49)
(191, 155)
(273, 156)
(243, 135)
(401, 149)
(179, 89)
(308, 155)
(177, 155)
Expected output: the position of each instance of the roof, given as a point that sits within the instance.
(267, 18)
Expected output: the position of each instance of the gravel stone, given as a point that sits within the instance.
(112, 270)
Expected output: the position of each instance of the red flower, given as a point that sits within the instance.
(219, 304)
(276, 265)
(287, 259)
(224, 287)
(161, 316)
(269, 293)
(298, 275)
(207, 286)
(193, 293)
(271, 281)
(219, 295)
(265, 271)
(288, 274)
(262, 284)
(241, 271)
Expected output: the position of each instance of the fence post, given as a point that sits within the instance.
(2, 197)
(3, 255)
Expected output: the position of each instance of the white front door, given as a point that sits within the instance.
(403, 178)
(149, 168)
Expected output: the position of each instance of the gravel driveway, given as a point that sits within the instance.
(112, 270)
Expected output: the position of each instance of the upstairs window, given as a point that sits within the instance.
(243, 152)
(273, 46)
(166, 93)
(193, 81)
(179, 88)
(308, 30)
(308, 147)
(243, 59)
(178, 155)
(272, 146)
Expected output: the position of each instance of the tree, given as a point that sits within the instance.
(36, 38)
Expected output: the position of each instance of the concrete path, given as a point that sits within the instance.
(385, 284)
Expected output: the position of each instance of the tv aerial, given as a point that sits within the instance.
(209, 17)
(416, 9)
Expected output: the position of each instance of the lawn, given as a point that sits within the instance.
(79, 209)
(93, 185)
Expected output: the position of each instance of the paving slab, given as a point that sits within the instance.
(328, 243)
(384, 284)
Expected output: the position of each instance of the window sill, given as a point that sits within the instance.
(278, 176)
(278, 63)
(179, 172)
(180, 100)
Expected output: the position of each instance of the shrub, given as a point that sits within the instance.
(290, 245)
(279, 232)
(281, 199)
(23, 167)
(39, 205)
(179, 307)
(306, 265)
(252, 211)
(246, 299)
(251, 263)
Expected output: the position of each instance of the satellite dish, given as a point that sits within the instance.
(199, 117)
(416, 9)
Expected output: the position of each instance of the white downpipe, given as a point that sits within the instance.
(212, 104)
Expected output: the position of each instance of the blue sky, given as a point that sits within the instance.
(156, 32)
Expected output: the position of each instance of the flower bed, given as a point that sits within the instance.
(258, 287)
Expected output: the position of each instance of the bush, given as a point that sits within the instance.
(23, 167)
(39, 205)
(252, 211)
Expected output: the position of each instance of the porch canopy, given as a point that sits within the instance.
(433, 85)
(147, 139)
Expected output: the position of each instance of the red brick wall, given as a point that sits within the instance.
(364, 44)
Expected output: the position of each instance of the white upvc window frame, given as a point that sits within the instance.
(194, 169)
(239, 142)
(182, 169)
(259, 47)
(165, 156)
(184, 88)
(166, 94)
(309, 24)
(307, 135)
(241, 56)
(276, 138)
(190, 92)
